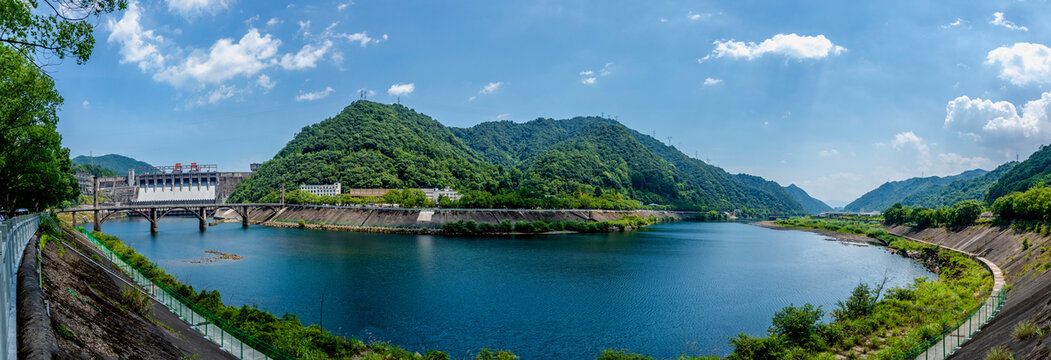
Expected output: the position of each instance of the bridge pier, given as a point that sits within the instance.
(203, 217)
(74, 219)
(153, 221)
(98, 221)
(244, 216)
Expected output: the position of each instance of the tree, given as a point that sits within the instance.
(896, 215)
(35, 171)
(964, 212)
(797, 325)
(61, 28)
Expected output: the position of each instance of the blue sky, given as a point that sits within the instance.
(834, 96)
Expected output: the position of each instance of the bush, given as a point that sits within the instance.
(1026, 329)
(302, 224)
(621, 355)
(136, 300)
(486, 354)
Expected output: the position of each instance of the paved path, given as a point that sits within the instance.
(948, 345)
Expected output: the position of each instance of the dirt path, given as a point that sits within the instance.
(98, 314)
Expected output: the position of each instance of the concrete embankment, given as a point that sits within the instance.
(1025, 269)
(393, 217)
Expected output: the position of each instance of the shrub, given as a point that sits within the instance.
(999, 353)
(797, 325)
(302, 224)
(621, 355)
(136, 300)
(1026, 329)
(486, 354)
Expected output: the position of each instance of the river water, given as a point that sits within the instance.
(671, 289)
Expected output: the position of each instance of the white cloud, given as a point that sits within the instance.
(1022, 63)
(401, 89)
(502, 116)
(224, 60)
(828, 153)
(273, 21)
(791, 45)
(362, 38)
(221, 93)
(264, 81)
(136, 45)
(998, 20)
(906, 140)
(712, 81)
(307, 57)
(953, 24)
(304, 29)
(490, 88)
(694, 16)
(589, 77)
(311, 96)
(998, 125)
(953, 163)
(86, 104)
(195, 7)
(663, 20)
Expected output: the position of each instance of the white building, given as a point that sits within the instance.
(434, 193)
(322, 190)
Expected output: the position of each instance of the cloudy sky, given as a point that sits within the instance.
(834, 96)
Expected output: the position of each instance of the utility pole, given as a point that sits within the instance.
(282, 194)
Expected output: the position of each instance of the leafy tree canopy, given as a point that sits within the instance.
(53, 28)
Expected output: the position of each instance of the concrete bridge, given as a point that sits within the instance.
(155, 211)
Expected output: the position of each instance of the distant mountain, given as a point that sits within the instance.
(959, 190)
(117, 163)
(893, 192)
(810, 204)
(93, 170)
(1033, 171)
(375, 145)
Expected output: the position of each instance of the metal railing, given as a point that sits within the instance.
(228, 336)
(14, 236)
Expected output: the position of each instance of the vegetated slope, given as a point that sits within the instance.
(1033, 171)
(698, 185)
(809, 203)
(963, 189)
(372, 145)
(892, 192)
(93, 170)
(118, 163)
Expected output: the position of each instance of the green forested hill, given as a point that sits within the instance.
(1033, 171)
(893, 192)
(959, 190)
(809, 203)
(118, 163)
(376, 145)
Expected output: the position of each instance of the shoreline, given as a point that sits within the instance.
(854, 238)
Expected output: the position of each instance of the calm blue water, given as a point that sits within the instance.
(680, 288)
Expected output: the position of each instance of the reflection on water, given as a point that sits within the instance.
(672, 289)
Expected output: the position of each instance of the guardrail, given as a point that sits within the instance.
(228, 336)
(14, 236)
(948, 341)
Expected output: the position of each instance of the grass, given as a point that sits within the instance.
(1026, 329)
(65, 333)
(136, 300)
(999, 353)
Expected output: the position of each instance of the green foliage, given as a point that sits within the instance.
(811, 205)
(471, 227)
(922, 191)
(965, 212)
(1033, 172)
(93, 170)
(797, 325)
(136, 300)
(1026, 329)
(44, 32)
(999, 353)
(1032, 205)
(119, 164)
(959, 190)
(35, 171)
(576, 163)
(486, 354)
(860, 304)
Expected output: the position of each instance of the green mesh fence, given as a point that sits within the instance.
(948, 341)
(228, 336)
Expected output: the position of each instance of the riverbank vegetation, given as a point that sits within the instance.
(874, 323)
(961, 214)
